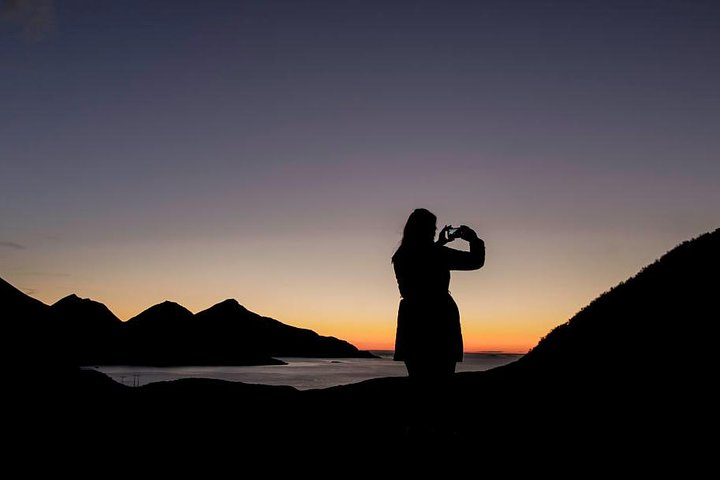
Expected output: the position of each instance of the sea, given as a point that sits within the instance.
(301, 373)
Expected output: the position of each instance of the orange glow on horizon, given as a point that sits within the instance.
(475, 347)
(367, 334)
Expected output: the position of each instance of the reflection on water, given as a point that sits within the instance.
(301, 373)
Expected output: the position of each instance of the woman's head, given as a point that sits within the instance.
(420, 228)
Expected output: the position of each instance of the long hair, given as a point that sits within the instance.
(419, 231)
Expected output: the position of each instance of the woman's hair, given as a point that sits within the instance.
(420, 228)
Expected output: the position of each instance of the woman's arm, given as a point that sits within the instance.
(460, 260)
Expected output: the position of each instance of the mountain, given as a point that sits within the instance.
(269, 335)
(158, 335)
(169, 334)
(224, 334)
(76, 331)
(88, 330)
(84, 314)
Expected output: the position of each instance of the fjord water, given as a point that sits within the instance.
(301, 373)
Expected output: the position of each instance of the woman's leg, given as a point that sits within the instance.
(430, 383)
(417, 369)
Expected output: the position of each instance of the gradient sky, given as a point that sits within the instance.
(271, 151)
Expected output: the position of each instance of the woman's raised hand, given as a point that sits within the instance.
(467, 233)
(443, 236)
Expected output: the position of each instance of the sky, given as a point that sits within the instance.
(271, 151)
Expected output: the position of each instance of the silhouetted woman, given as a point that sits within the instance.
(429, 339)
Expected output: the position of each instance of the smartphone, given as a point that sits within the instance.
(453, 231)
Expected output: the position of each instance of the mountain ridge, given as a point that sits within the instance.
(82, 331)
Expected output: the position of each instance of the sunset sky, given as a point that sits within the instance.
(271, 151)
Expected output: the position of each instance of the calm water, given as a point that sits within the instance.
(301, 373)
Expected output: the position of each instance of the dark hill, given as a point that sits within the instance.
(653, 325)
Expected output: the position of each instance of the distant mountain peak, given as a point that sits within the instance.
(72, 298)
(84, 311)
(75, 300)
(165, 311)
(169, 305)
(229, 304)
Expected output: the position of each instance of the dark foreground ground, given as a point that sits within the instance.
(489, 418)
